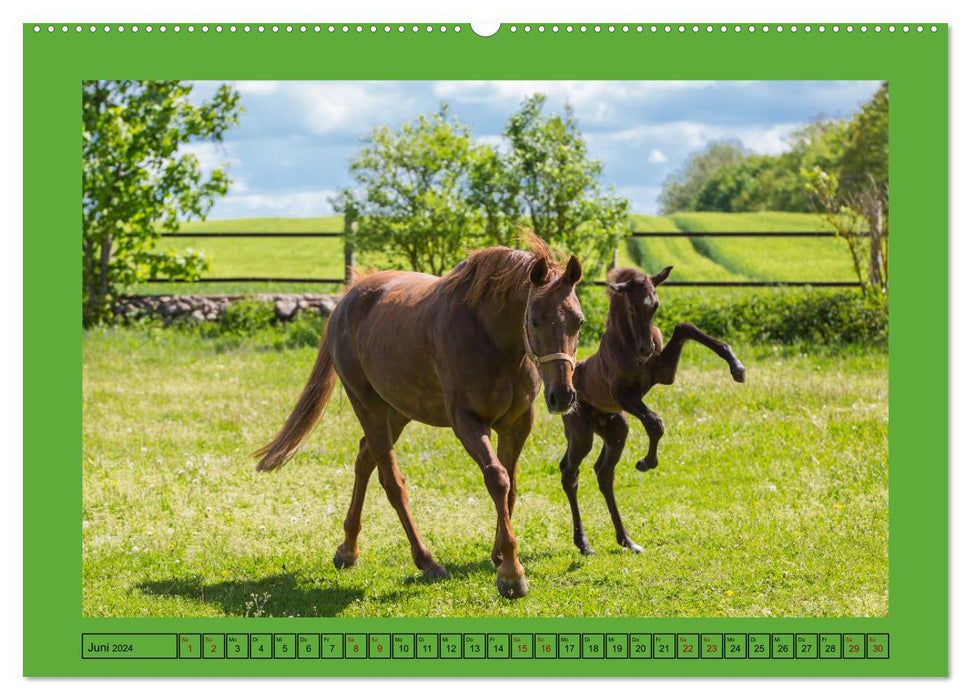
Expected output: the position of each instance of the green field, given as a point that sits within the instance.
(715, 259)
(770, 500)
(699, 259)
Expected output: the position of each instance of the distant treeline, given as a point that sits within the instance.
(727, 177)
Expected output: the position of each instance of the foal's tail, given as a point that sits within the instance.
(305, 414)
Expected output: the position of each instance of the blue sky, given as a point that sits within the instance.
(291, 148)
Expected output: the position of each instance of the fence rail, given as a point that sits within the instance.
(635, 234)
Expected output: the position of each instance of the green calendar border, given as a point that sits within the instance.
(915, 63)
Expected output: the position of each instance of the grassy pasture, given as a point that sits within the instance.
(770, 500)
(704, 259)
(718, 259)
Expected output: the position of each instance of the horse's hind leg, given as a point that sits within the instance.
(348, 552)
(382, 425)
(613, 429)
(579, 438)
(666, 366)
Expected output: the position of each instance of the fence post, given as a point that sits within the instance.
(350, 228)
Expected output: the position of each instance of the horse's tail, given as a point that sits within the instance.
(305, 414)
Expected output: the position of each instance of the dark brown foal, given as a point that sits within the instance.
(613, 382)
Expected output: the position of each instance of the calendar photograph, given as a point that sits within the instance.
(506, 348)
(570, 355)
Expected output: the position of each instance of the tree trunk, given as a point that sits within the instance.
(876, 246)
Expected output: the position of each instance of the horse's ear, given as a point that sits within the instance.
(661, 276)
(539, 271)
(574, 271)
(619, 287)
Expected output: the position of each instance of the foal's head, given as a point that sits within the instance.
(637, 293)
(552, 328)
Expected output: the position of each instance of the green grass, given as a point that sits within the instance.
(657, 253)
(770, 500)
(704, 259)
(793, 259)
(718, 259)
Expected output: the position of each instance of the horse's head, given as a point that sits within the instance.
(552, 328)
(637, 292)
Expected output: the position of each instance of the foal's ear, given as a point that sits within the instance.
(574, 271)
(538, 272)
(661, 276)
(619, 287)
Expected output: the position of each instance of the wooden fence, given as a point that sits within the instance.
(349, 257)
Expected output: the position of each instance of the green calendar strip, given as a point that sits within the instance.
(580, 646)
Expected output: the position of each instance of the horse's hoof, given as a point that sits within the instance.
(343, 561)
(586, 550)
(632, 546)
(512, 588)
(738, 373)
(646, 464)
(435, 572)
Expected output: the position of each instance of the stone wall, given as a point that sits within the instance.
(209, 307)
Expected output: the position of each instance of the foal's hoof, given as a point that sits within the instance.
(646, 464)
(738, 373)
(632, 546)
(512, 588)
(343, 561)
(435, 572)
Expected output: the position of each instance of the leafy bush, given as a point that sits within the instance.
(786, 316)
(796, 316)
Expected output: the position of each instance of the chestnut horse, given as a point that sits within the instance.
(448, 352)
(631, 359)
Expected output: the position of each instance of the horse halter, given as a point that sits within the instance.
(537, 359)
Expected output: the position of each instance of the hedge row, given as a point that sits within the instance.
(773, 316)
(764, 316)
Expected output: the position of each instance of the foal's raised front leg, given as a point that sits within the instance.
(474, 434)
(653, 426)
(666, 365)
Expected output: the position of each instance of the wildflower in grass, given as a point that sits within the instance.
(729, 593)
(225, 572)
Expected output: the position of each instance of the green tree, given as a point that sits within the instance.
(137, 181)
(416, 191)
(680, 189)
(552, 184)
(427, 191)
(853, 194)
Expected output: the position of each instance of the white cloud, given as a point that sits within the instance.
(333, 106)
(657, 156)
(300, 203)
(210, 155)
(771, 139)
(257, 87)
(643, 198)
(595, 101)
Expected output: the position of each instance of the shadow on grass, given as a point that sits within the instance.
(273, 596)
(469, 569)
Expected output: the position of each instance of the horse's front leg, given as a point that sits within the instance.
(474, 435)
(512, 438)
(653, 426)
(666, 366)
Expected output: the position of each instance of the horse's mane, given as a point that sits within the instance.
(499, 270)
